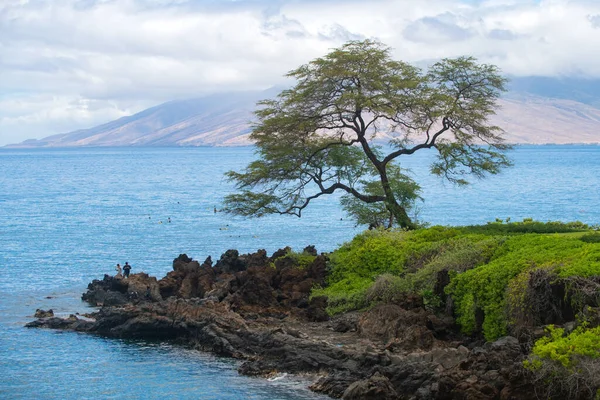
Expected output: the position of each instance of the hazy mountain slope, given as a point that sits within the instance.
(539, 120)
(528, 114)
(581, 90)
(209, 121)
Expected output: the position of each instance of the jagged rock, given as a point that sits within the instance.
(143, 287)
(180, 262)
(245, 308)
(345, 323)
(334, 384)
(280, 253)
(400, 328)
(310, 250)
(256, 259)
(109, 291)
(230, 262)
(317, 309)
(449, 357)
(39, 313)
(377, 387)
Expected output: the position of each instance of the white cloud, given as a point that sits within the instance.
(67, 64)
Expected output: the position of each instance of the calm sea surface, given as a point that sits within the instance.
(67, 216)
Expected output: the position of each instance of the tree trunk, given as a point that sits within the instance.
(400, 215)
(396, 210)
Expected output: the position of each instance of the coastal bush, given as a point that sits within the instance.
(455, 254)
(484, 289)
(567, 366)
(355, 266)
(302, 260)
(379, 251)
(527, 226)
(345, 295)
(591, 237)
(490, 268)
(385, 266)
(298, 259)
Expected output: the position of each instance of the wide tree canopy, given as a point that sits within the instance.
(351, 117)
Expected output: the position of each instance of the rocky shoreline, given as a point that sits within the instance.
(257, 309)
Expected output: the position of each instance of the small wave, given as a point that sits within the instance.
(277, 377)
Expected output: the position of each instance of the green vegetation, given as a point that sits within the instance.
(567, 366)
(493, 271)
(356, 264)
(300, 260)
(319, 136)
(486, 287)
(567, 350)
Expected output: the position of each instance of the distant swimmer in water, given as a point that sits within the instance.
(224, 228)
(215, 210)
(169, 220)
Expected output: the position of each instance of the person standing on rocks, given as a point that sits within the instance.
(126, 269)
(118, 269)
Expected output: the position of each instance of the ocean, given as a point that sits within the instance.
(67, 216)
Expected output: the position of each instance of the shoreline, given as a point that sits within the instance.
(257, 309)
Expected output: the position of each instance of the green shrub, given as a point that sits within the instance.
(301, 260)
(567, 366)
(565, 349)
(345, 295)
(375, 252)
(355, 266)
(405, 262)
(591, 237)
(486, 264)
(485, 287)
(527, 226)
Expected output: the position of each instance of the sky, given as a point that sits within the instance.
(72, 64)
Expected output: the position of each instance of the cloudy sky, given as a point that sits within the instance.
(70, 64)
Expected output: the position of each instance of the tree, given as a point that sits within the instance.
(321, 135)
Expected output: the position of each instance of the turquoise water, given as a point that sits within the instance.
(67, 216)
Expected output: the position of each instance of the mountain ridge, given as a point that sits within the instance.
(225, 120)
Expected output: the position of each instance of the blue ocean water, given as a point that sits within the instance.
(67, 216)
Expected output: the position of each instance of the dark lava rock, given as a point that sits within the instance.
(345, 323)
(257, 308)
(230, 262)
(39, 313)
(390, 323)
(109, 291)
(377, 387)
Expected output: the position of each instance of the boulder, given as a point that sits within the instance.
(230, 262)
(401, 329)
(39, 313)
(377, 387)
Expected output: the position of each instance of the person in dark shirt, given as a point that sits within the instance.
(126, 269)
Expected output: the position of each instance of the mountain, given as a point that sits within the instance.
(216, 120)
(530, 119)
(535, 111)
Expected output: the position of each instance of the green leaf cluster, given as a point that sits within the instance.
(565, 349)
(405, 189)
(485, 287)
(299, 259)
